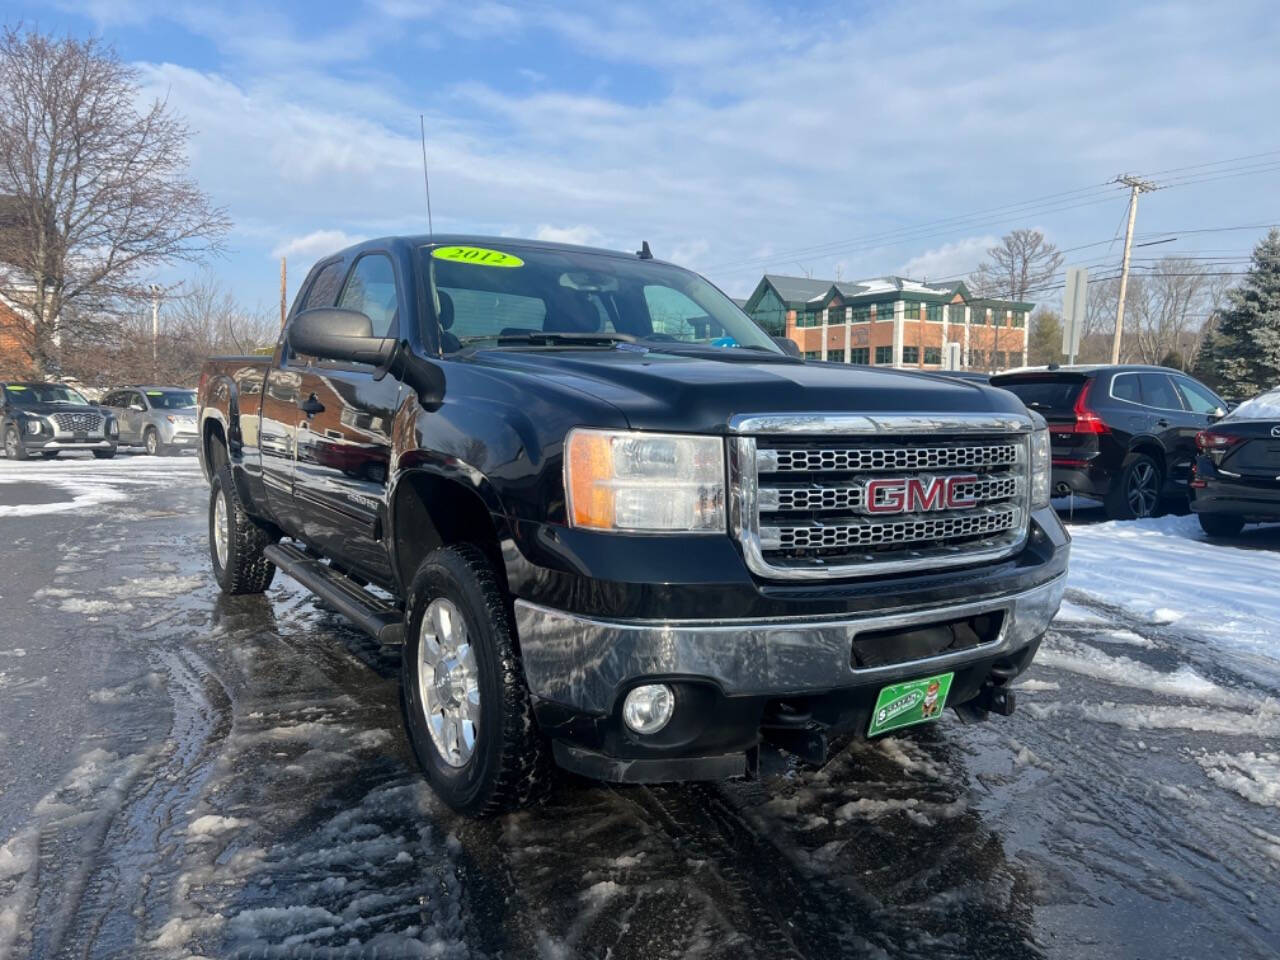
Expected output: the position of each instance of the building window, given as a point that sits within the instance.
(813, 354)
(933, 313)
(977, 358)
(810, 318)
(859, 314)
(911, 311)
(884, 311)
(884, 355)
(1015, 358)
(1001, 360)
(933, 355)
(860, 356)
(910, 354)
(1019, 318)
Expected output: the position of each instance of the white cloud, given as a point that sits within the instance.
(316, 244)
(582, 234)
(949, 261)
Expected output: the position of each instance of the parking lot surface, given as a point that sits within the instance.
(188, 774)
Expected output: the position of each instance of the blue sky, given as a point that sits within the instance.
(735, 137)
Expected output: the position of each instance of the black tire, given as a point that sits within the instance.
(104, 454)
(151, 442)
(243, 569)
(13, 448)
(509, 766)
(1135, 489)
(49, 454)
(1221, 524)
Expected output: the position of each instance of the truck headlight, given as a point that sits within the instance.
(1041, 467)
(644, 482)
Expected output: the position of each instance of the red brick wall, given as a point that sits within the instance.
(15, 344)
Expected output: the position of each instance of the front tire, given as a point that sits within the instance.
(151, 442)
(466, 706)
(1221, 524)
(236, 540)
(1135, 490)
(13, 448)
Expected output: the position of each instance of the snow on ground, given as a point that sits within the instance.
(88, 483)
(1164, 571)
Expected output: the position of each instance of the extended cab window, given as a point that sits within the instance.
(371, 289)
(549, 297)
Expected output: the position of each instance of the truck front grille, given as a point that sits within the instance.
(803, 508)
(77, 422)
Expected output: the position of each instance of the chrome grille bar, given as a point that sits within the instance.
(873, 533)
(851, 497)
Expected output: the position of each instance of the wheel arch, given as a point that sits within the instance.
(1151, 447)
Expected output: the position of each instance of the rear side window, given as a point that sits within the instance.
(1044, 393)
(1157, 391)
(324, 289)
(1125, 387)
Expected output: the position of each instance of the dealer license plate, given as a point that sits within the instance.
(910, 702)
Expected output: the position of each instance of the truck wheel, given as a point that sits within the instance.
(104, 454)
(151, 442)
(236, 540)
(13, 448)
(462, 689)
(1135, 489)
(1221, 524)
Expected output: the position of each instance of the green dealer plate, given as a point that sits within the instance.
(911, 702)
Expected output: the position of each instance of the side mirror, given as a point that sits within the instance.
(788, 346)
(1217, 414)
(141, 408)
(332, 333)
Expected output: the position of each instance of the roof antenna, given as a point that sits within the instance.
(422, 124)
(644, 253)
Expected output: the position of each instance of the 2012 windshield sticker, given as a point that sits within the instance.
(479, 256)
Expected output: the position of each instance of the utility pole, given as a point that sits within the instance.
(1136, 186)
(156, 290)
(282, 292)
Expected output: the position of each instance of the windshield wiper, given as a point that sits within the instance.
(544, 338)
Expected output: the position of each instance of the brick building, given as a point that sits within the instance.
(891, 322)
(15, 344)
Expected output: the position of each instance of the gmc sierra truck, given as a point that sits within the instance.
(614, 526)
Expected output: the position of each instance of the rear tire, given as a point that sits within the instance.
(1221, 524)
(1135, 490)
(236, 540)
(13, 448)
(486, 755)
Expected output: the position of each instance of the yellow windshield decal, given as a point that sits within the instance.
(15, 389)
(155, 393)
(480, 256)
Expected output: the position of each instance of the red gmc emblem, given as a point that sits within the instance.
(920, 494)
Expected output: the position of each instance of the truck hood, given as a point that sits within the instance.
(657, 391)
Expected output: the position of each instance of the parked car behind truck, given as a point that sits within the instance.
(51, 418)
(1237, 475)
(614, 526)
(157, 419)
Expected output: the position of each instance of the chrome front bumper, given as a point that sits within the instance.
(583, 663)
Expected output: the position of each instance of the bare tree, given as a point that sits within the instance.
(1017, 267)
(1169, 307)
(96, 192)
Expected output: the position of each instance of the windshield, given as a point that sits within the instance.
(516, 296)
(171, 399)
(1266, 406)
(23, 394)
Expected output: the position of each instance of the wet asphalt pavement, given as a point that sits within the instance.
(186, 774)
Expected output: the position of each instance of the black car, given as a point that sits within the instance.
(1125, 435)
(1237, 474)
(48, 418)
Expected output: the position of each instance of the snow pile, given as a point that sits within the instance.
(92, 483)
(1163, 571)
(1265, 406)
(1255, 776)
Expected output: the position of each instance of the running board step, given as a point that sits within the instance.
(375, 617)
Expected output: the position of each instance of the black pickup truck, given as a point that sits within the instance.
(614, 525)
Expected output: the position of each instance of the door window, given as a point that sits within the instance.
(1198, 398)
(371, 289)
(1157, 391)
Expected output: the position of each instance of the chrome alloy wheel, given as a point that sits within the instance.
(221, 528)
(1143, 490)
(11, 444)
(448, 682)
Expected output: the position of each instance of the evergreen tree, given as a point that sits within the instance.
(1246, 344)
(1044, 339)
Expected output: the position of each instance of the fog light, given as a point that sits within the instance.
(648, 709)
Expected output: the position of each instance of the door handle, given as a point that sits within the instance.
(1159, 423)
(311, 406)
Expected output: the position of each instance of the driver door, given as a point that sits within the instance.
(131, 417)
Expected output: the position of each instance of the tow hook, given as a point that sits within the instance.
(991, 699)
